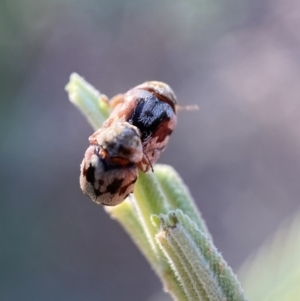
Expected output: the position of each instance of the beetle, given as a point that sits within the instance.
(151, 107)
(133, 137)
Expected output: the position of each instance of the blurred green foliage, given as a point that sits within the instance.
(273, 273)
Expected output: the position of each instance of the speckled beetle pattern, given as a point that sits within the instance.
(132, 138)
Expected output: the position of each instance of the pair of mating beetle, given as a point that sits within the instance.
(132, 138)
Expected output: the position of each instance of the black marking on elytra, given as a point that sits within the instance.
(148, 115)
(114, 186)
(90, 174)
(97, 192)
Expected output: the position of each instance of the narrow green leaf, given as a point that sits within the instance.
(178, 194)
(189, 265)
(126, 215)
(149, 200)
(177, 244)
(88, 100)
(226, 278)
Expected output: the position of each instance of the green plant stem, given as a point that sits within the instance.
(162, 219)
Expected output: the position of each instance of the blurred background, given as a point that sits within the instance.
(238, 60)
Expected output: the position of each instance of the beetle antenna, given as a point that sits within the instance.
(187, 108)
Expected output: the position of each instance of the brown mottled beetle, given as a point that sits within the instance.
(151, 107)
(134, 135)
(108, 170)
